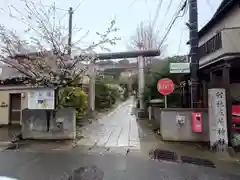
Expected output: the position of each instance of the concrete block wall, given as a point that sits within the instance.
(172, 131)
(62, 125)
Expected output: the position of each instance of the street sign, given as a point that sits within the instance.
(179, 68)
(165, 86)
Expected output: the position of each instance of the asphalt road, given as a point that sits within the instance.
(106, 144)
(59, 165)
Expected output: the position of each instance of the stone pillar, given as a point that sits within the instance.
(141, 82)
(91, 92)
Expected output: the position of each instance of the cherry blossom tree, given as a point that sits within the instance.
(42, 57)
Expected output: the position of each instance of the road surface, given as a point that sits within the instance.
(117, 145)
(59, 165)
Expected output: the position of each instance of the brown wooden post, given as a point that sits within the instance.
(226, 84)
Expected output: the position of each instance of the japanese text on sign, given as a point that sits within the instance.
(165, 86)
(217, 119)
(221, 115)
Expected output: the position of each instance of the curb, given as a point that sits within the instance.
(8, 145)
(4, 145)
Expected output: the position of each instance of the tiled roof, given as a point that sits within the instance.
(224, 8)
(9, 73)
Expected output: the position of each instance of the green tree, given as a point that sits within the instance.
(163, 72)
(106, 93)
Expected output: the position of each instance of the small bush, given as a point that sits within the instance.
(106, 95)
(73, 97)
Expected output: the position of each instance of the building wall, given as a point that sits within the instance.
(230, 37)
(5, 97)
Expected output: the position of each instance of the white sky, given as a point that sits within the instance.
(95, 15)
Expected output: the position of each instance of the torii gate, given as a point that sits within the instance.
(121, 55)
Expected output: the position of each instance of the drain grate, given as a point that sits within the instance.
(197, 161)
(164, 155)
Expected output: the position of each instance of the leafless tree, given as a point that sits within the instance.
(145, 37)
(42, 58)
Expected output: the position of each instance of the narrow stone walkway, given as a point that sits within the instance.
(119, 131)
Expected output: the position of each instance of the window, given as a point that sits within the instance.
(212, 45)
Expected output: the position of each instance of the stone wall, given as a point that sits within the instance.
(62, 124)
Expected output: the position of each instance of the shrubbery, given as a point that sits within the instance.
(106, 95)
(73, 97)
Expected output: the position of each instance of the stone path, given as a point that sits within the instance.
(118, 131)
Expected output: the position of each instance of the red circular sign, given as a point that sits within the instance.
(165, 86)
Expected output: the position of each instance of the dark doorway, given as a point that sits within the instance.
(15, 109)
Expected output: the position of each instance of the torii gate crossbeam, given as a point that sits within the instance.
(120, 55)
(127, 54)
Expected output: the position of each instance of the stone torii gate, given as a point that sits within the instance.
(121, 55)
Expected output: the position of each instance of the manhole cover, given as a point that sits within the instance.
(197, 161)
(163, 155)
(87, 173)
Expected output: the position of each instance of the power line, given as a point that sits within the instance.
(178, 11)
(168, 8)
(73, 10)
(132, 3)
(182, 32)
(78, 5)
(181, 7)
(157, 12)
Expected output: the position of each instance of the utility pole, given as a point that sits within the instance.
(194, 56)
(70, 12)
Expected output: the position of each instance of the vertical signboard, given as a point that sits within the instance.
(217, 119)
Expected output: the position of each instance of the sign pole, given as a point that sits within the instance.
(165, 101)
